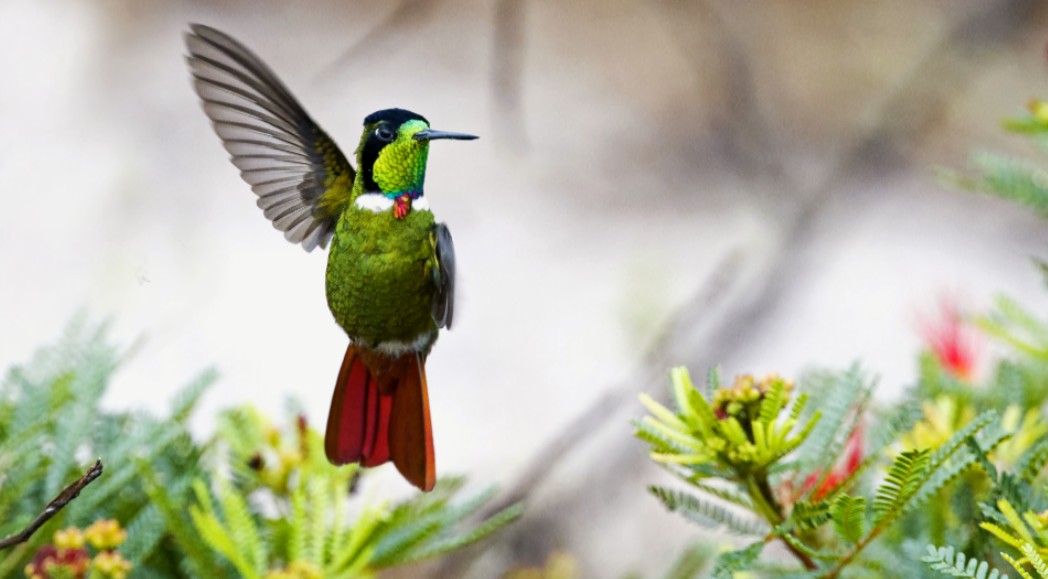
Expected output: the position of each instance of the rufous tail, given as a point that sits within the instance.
(380, 412)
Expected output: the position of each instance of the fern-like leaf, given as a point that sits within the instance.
(691, 562)
(1018, 566)
(143, 535)
(707, 514)
(840, 395)
(725, 494)
(730, 563)
(947, 563)
(904, 479)
(1032, 461)
(479, 533)
(849, 517)
(242, 526)
(1012, 179)
(186, 400)
(1033, 555)
(807, 515)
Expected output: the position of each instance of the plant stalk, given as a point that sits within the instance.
(765, 503)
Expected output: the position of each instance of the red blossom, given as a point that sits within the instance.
(47, 557)
(951, 340)
(852, 459)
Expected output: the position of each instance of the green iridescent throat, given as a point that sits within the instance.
(400, 168)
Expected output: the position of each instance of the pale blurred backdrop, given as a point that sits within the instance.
(751, 184)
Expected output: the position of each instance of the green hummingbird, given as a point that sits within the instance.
(391, 268)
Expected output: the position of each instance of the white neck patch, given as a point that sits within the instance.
(378, 203)
(374, 203)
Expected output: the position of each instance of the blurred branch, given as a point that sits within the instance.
(508, 70)
(655, 363)
(715, 326)
(406, 14)
(57, 504)
(745, 130)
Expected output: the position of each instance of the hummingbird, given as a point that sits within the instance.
(390, 280)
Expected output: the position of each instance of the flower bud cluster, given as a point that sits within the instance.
(68, 556)
(743, 399)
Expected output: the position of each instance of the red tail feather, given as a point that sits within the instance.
(380, 412)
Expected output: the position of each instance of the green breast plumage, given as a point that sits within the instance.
(380, 277)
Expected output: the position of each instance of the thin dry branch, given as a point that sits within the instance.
(508, 70)
(406, 14)
(57, 504)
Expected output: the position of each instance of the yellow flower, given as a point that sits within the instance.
(942, 418)
(105, 534)
(112, 565)
(1026, 428)
(69, 538)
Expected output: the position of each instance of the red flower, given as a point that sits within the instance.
(951, 340)
(76, 561)
(853, 456)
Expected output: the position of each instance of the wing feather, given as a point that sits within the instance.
(444, 300)
(288, 160)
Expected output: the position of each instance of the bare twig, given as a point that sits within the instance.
(713, 293)
(406, 13)
(57, 504)
(508, 69)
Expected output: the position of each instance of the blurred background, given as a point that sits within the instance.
(661, 183)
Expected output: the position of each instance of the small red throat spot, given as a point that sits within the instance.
(401, 207)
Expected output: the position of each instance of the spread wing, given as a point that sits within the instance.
(444, 301)
(296, 170)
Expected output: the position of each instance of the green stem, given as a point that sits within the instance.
(766, 505)
(763, 500)
(843, 561)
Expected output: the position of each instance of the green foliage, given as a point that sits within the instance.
(255, 501)
(743, 430)
(691, 562)
(849, 517)
(1010, 178)
(959, 461)
(902, 482)
(708, 514)
(734, 561)
(945, 562)
(52, 427)
(737, 490)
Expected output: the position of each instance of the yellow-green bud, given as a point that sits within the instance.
(105, 534)
(112, 565)
(69, 538)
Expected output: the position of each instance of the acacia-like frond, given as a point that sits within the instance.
(733, 561)
(849, 517)
(946, 562)
(706, 513)
(902, 482)
(808, 515)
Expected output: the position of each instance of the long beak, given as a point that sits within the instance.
(431, 135)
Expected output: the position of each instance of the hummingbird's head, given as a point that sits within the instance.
(392, 155)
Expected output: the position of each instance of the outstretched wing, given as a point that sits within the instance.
(296, 170)
(444, 301)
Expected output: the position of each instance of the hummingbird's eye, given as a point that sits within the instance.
(385, 133)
